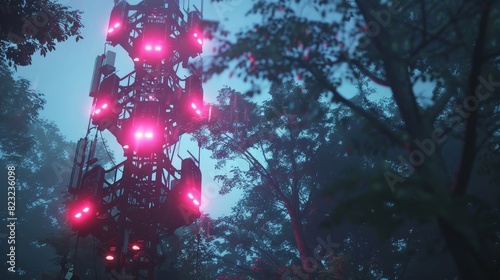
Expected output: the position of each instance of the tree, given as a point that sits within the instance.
(42, 178)
(39, 196)
(290, 145)
(257, 239)
(30, 26)
(191, 254)
(284, 176)
(18, 111)
(446, 49)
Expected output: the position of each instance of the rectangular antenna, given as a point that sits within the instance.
(96, 76)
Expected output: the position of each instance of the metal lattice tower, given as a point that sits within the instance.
(130, 206)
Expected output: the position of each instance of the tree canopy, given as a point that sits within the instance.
(27, 27)
(436, 61)
(19, 110)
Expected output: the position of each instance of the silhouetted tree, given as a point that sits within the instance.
(284, 138)
(437, 60)
(30, 26)
(19, 109)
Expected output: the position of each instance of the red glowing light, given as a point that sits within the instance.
(148, 47)
(195, 34)
(138, 135)
(193, 105)
(198, 112)
(110, 257)
(136, 59)
(126, 147)
(86, 209)
(149, 135)
(116, 25)
(78, 215)
(136, 247)
(97, 111)
(157, 48)
(200, 41)
(104, 106)
(111, 30)
(191, 196)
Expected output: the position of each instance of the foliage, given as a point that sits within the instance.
(30, 26)
(39, 196)
(19, 109)
(41, 192)
(281, 143)
(436, 61)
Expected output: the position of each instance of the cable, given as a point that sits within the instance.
(178, 148)
(198, 237)
(106, 148)
(74, 255)
(95, 268)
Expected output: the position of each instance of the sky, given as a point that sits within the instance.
(64, 76)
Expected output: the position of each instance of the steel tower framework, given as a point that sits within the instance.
(130, 206)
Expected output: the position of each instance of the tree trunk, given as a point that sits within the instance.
(304, 252)
(471, 265)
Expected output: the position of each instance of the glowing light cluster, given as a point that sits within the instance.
(114, 27)
(141, 135)
(198, 38)
(149, 48)
(99, 109)
(142, 138)
(80, 215)
(195, 107)
(193, 199)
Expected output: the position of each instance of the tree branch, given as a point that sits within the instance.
(436, 35)
(337, 97)
(397, 72)
(261, 169)
(439, 104)
(367, 73)
(462, 177)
